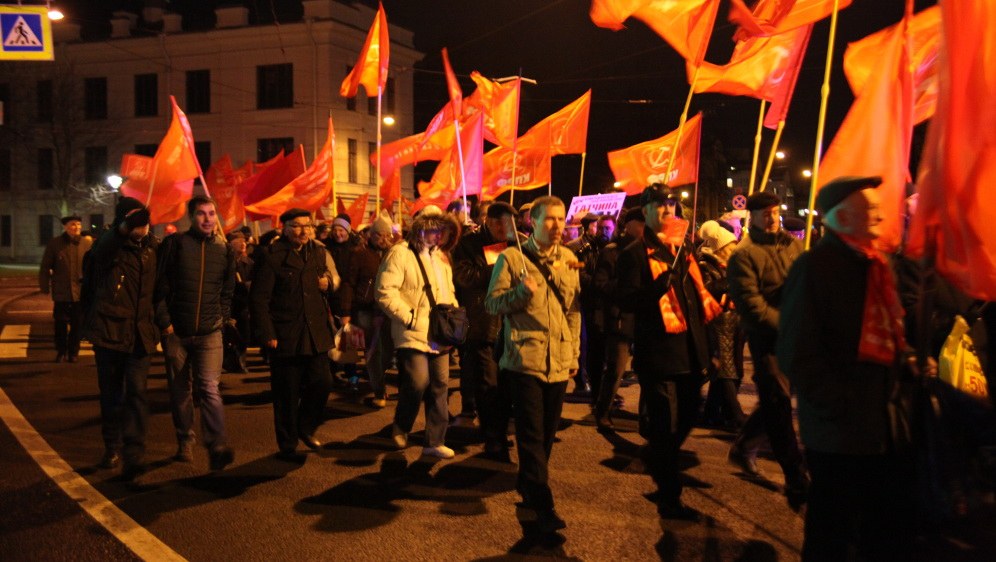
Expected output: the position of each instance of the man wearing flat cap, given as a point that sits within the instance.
(119, 277)
(756, 273)
(661, 285)
(842, 345)
(60, 275)
(291, 318)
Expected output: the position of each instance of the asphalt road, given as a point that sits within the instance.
(357, 499)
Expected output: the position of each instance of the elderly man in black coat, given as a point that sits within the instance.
(291, 317)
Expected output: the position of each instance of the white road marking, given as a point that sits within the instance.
(14, 341)
(143, 543)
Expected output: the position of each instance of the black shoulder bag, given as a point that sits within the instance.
(448, 324)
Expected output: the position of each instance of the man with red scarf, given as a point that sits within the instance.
(841, 344)
(660, 283)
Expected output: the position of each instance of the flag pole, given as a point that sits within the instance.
(380, 95)
(824, 97)
(459, 146)
(757, 150)
(771, 155)
(332, 166)
(695, 197)
(584, 156)
(681, 125)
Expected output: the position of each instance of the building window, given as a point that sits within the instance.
(94, 164)
(95, 98)
(372, 104)
(146, 95)
(46, 165)
(46, 229)
(274, 86)
(96, 223)
(371, 165)
(352, 161)
(45, 101)
(146, 149)
(268, 148)
(350, 102)
(5, 231)
(389, 96)
(198, 91)
(202, 149)
(5, 173)
(5, 108)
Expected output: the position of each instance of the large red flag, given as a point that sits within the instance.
(685, 25)
(272, 179)
(642, 164)
(874, 139)
(447, 176)
(222, 180)
(772, 17)
(564, 132)
(452, 85)
(356, 210)
(310, 190)
(501, 108)
(925, 32)
(171, 172)
(371, 66)
(390, 189)
(532, 171)
(955, 217)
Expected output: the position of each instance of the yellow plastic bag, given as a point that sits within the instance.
(958, 365)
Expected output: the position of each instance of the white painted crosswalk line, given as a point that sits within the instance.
(14, 341)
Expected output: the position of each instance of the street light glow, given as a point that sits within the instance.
(684, 195)
(114, 181)
(617, 184)
(780, 155)
(807, 173)
(389, 120)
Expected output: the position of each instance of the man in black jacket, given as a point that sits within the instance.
(60, 274)
(291, 316)
(194, 301)
(482, 388)
(119, 279)
(659, 282)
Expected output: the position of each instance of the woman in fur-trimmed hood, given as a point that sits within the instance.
(423, 365)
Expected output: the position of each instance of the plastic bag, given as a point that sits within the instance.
(958, 364)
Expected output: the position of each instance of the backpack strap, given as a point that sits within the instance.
(425, 277)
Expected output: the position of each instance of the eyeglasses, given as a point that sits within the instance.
(296, 226)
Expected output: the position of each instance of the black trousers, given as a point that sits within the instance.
(538, 406)
(489, 388)
(301, 386)
(668, 410)
(595, 360)
(773, 414)
(68, 318)
(860, 507)
(124, 405)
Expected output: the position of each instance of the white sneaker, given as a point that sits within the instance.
(442, 452)
(400, 438)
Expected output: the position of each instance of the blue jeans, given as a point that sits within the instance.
(379, 347)
(196, 359)
(423, 377)
(124, 405)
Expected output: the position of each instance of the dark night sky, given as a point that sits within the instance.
(555, 43)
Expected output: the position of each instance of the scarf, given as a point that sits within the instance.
(882, 332)
(674, 318)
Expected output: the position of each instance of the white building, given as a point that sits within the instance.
(248, 91)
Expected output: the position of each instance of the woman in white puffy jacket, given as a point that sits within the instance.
(423, 365)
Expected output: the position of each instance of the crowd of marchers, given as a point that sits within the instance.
(550, 299)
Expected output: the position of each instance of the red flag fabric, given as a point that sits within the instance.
(447, 176)
(642, 164)
(452, 85)
(371, 66)
(874, 139)
(356, 210)
(761, 67)
(309, 190)
(685, 25)
(222, 180)
(564, 132)
(773, 17)
(272, 179)
(257, 167)
(925, 32)
(390, 189)
(501, 108)
(532, 170)
(169, 183)
(955, 217)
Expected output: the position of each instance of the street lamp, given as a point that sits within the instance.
(54, 14)
(780, 155)
(684, 195)
(807, 173)
(617, 184)
(389, 120)
(114, 181)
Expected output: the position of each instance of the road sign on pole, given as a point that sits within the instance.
(739, 202)
(25, 33)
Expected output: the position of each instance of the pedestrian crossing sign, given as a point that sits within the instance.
(25, 33)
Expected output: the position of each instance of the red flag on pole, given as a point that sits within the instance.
(532, 171)
(955, 216)
(223, 181)
(772, 17)
(501, 108)
(309, 190)
(272, 179)
(356, 210)
(685, 25)
(564, 132)
(642, 164)
(452, 85)
(447, 177)
(371, 66)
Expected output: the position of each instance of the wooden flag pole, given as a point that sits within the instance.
(681, 126)
(380, 96)
(824, 98)
(332, 166)
(771, 155)
(757, 150)
(584, 156)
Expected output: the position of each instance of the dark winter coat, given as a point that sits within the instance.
(196, 282)
(61, 270)
(471, 276)
(364, 262)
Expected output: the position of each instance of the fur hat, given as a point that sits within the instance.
(383, 226)
(715, 237)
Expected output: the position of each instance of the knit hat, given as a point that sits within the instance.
(715, 237)
(383, 226)
(341, 222)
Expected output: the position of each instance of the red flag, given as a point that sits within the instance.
(640, 165)
(272, 179)
(309, 190)
(925, 31)
(501, 109)
(447, 178)
(685, 25)
(874, 138)
(761, 67)
(772, 17)
(955, 215)
(532, 170)
(371, 66)
(612, 13)
(356, 210)
(452, 85)
(257, 167)
(564, 132)
(169, 183)
(390, 189)
(222, 181)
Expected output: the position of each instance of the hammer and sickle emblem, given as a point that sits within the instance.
(657, 157)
